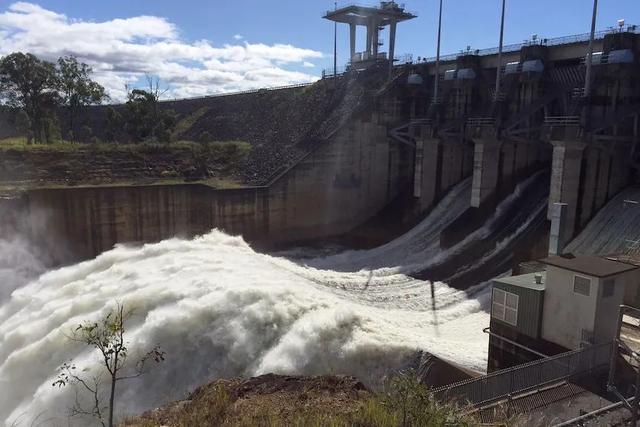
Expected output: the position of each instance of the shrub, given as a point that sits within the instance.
(205, 137)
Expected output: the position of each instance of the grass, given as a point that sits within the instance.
(188, 121)
(223, 147)
(20, 143)
(406, 403)
(221, 158)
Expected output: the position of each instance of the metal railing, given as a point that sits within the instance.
(364, 6)
(507, 382)
(576, 38)
(562, 120)
(242, 92)
(330, 72)
(223, 94)
(481, 121)
(399, 60)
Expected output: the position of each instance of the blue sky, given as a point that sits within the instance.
(266, 24)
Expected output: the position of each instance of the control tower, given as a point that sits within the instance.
(374, 19)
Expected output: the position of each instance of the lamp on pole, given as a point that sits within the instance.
(499, 69)
(437, 77)
(335, 43)
(587, 77)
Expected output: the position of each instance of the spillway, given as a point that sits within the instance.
(614, 229)
(220, 309)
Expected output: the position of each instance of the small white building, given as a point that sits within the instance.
(574, 303)
(582, 298)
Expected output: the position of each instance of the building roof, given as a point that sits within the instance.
(589, 264)
(525, 281)
(360, 15)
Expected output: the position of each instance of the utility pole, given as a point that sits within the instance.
(335, 43)
(437, 77)
(499, 70)
(587, 77)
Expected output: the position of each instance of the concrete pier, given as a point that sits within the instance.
(486, 170)
(566, 171)
(431, 169)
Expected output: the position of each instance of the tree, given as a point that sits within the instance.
(77, 90)
(107, 336)
(23, 125)
(113, 124)
(144, 119)
(29, 84)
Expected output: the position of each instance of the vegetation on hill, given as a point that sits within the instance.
(216, 163)
(281, 126)
(33, 89)
(336, 401)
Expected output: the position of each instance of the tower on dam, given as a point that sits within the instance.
(374, 19)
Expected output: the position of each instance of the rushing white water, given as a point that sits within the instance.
(613, 230)
(219, 309)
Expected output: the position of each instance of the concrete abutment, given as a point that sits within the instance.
(585, 177)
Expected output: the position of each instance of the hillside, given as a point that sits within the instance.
(280, 126)
(276, 400)
(219, 164)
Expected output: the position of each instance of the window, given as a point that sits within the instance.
(505, 306)
(608, 287)
(581, 285)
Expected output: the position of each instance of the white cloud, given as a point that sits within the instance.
(308, 64)
(238, 37)
(122, 50)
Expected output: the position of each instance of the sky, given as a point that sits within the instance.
(200, 47)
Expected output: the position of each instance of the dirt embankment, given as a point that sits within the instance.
(51, 166)
(265, 400)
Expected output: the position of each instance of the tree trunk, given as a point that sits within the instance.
(112, 398)
(71, 132)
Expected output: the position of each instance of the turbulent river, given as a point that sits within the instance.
(220, 309)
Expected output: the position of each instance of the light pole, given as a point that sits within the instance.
(437, 78)
(335, 43)
(499, 69)
(587, 77)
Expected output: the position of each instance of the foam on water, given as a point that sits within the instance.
(219, 309)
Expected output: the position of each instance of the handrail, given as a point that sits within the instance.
(562, 120)
(363, 6)
(576, 38)
(223, 94)
(481, 121)
(518, 379)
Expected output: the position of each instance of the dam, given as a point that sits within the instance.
(364, 229)
(379, 145)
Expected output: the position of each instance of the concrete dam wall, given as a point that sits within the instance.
(379, 140)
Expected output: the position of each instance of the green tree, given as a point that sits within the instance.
(144, 119)
(77, 90)
(113, 124)
(107, 337)
(29, 84)
(23, 125)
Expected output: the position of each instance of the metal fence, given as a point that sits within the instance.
(576, 38)
(562, 120)
(506, 382)
(242, 92)
(223, 94)
(372, 5)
